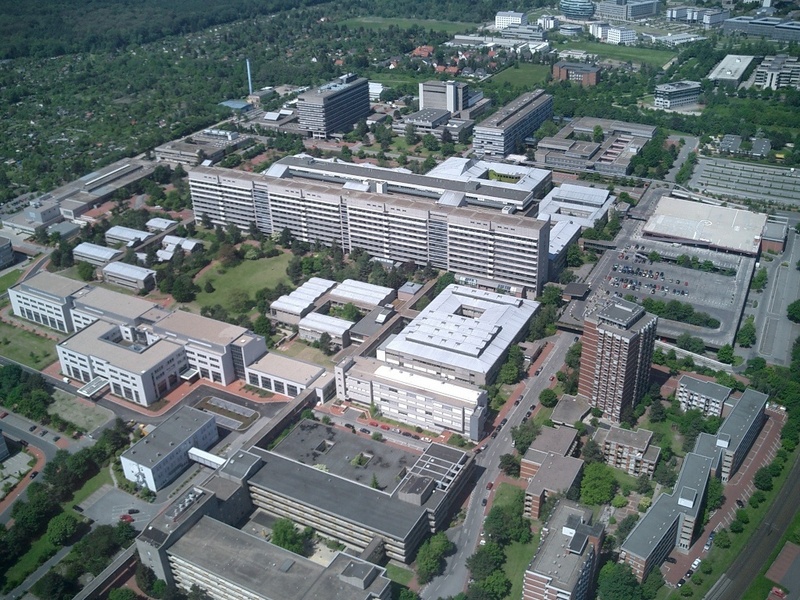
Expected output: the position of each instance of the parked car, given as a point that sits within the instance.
(43, 433)
(33, 474)
(671, 560)
(696, 563)
(56, 438)
(537, 372)
(32, 428)
(689, 573)
(365, 431)
(77, 508)
(406, 434)
(126, 518)
(739, 503)
(350, 426)
(494, 434)
(484, 502)
(133, 511)
(3, 415)
(516, 402)
(490, 485)
(681, 582)
(503, 422)
(385, 427)
(373, 424)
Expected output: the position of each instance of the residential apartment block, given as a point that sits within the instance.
(678, 93)
(565, 564)
(505, 131)
(628, 450)
(674, 520)
(334, 107)
(549, 467)
(451, 218)
(705, 396)
(618, 342)
(163, 454)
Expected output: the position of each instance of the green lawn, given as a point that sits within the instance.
(385, 23)
(624, 479)
(526, 76)
(518, 557)
(667, 432)
(399, 574)
(504, 494)
(543, 415)
(649, 56)
(249, 276)
(26, 347)
(9, 279)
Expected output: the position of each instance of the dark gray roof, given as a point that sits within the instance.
(337, 497)
(709, 389)
(749, 408)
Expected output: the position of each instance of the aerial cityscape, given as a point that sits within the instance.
(400, 301)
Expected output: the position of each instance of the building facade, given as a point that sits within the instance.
(621, 36)
(583, 73)
(628, 450)
(504, 18)
(739, 431)
(46, 299)
(334, 107)
(506, 130)
(678, 93)
(777, 72)
(618, 343)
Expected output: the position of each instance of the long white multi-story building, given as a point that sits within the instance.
(505, 131)
(455, 218)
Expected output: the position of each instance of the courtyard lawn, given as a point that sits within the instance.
(399, 574)
(26, 347)
(518, 557)
(667, 433)
(526, 76)
(504, 494)
(385, 23)
(248, 276)
(9, 279)
(301, 351)
(650, 56)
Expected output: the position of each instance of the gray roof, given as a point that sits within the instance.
(515, 110)
(127, 234)
(196, 327)
(557, 440)
(45, 283)
(303, 297)
(95, 251)
(270, 572)
(111, 306)
(749, 408)
(708, 389)
(570, 409)
(639, 439)
(775, 231)
(121, 269)
(556, 474)
(178, 427)
(561, 556)
(731, 67)
(343, 499)
(360, 292)
(441, 334)
(326, 324)
(287, 368)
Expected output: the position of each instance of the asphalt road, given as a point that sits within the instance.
(755, 554)
(465, 536)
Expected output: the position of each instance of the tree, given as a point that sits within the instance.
(411, 135)
(285, 535)
(524, 435)
(429, 142)
(616, 581)
(505, 523)
(122, 594)
(592, 453)
(574, 256)
(325, 343)
(658, 413)
(651, 585)
(759, 281)
(685, 341)
(430, 557)
(548, 398)
(184, 289)
(496, 586)
(61, 528)
(763, 479)
(598, 484)
(747, 333)
(52, 586)
(626, 526)
(793, 311)
(85, 271)
(597, 134)
(644, 485)
(487, 559)
(510, 465)
(551, 295)
(725, 354)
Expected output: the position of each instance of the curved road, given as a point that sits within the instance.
(762, 543)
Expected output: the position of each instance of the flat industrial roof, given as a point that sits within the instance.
(303, 297)
(441, 333)
(558, 440)
(197, 327)
(570, 409)
(128, 357)
(287, 368)
(732, 67)
(179, 426)
(110, 305)
(515, 110)
(50, 284)
(126, 233)
(268, 571)
(95, 251)
(717, 227)
(639, 439)
(360, 292)
(326, 323)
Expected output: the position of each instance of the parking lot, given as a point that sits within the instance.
(107, 505)
(629, 272)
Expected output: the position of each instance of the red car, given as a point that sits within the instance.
(373, 424)
(126, 518)
(385, 427)
(490, 485)
(3, 415)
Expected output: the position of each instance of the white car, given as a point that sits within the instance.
(695, 564)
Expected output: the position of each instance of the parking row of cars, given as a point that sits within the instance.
(690, 572)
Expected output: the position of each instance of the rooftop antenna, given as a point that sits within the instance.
(249, 78)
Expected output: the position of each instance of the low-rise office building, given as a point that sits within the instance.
(292, 307)
(163, 454)
(772, 28)
(434, 121)
(314, 325)
(576, 204)
(583, 73)
(125, 236)
(621, 36)
(282, 375)
(94, 254)
(39, 214)
(464, 334)
(565, 564)
(628, 450)
(46, 299)
(140, 371)
(413, 398)
(129, 276)
(210, 146)
(777, 72)
(626, 10)
(678, 93)
(731, 70)
(706, 396)
(504, 18)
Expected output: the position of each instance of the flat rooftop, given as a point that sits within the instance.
(268, 571)
(717, 227)
(185, 422)
(196, 327)
(515, 110)
(557, 440)
(556, 474)
(731, 68)
(570, 409)
(112, 306)
(284, 367)
(709, 389)
(45, 283)
(639, 439)
(749, 408)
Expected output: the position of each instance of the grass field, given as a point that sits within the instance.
(399, 574)
(526, 76)
(649, 56)
(385, 23)
(26, 347)
(518, 557)
(9, 279)
(249, 276)
(84, 416)
(303, 352)
(665, 429)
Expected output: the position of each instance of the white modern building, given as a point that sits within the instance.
(312, 326)
(292, 307)
(621, 35)
(576, 204)
(506, 130)
(678, 93)
(282, 375)
(45, 299)
(163, 454)
(463, 335)
(125, 236)
(504, 18)
(705, 396)
(94, 254)
(129, 276)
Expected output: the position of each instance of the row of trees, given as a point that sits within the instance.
(683, 312)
